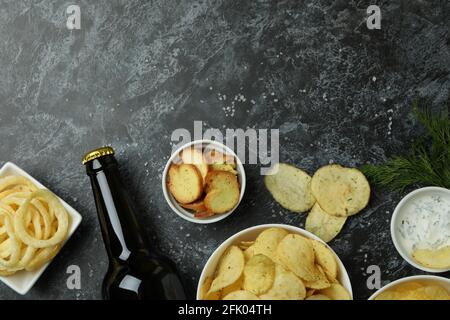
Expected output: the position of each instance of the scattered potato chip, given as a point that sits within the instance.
(286, 286)
(290, 187)
(326, 259)
(259, 274)
(267, 242)
(437, 259)
(324, 225)
(296, 254)
(335, 292)
(230, 269)
(340, 191)
(241, 295)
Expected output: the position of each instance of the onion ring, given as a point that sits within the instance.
(33, 225)
(59, 212)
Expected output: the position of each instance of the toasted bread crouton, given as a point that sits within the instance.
(223, 191)
(217, 157)
(223, 167)
(197, 206)
(185, 183)
(195, 156)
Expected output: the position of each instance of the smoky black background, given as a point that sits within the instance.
(138, 70)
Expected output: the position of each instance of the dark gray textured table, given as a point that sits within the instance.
(137, 70)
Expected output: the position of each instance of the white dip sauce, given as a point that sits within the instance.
(424, 221)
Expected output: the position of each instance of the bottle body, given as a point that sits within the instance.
(134, 272)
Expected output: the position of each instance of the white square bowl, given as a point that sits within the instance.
(23, 281)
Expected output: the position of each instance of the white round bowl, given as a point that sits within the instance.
(250, 234)
(444, 282)
(186, 214)
(402, 208)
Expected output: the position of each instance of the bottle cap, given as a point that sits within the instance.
(97, 153)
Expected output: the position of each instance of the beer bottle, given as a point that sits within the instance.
(135, 272)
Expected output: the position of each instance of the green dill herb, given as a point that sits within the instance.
(426, 164)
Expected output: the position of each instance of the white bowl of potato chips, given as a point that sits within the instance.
(415, 288)
(274, 262)
(34, 226)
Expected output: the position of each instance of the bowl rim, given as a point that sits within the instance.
(406, 279)
(230, 240)
(76, 218)
(394, 223)
(169, 198)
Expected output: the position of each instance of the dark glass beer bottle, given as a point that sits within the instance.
(135, 272)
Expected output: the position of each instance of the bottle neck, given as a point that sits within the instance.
(121, 232)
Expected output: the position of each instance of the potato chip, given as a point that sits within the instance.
(310, 292)
(414, 291)
(435, 292)
(408, 286)
(267, 242)
(335, 292)
(230, 269)
(259, 274)
(205, 289)
(244, 245)
(340, 191)
(241, 295)
(321, 282)
(296, 254)
(388, 295)
(437, 259)
(326, 259)
(233, 287)
(290, 187)
(318, 297)
(286, 286)
(278, 265)
(249, 252)
(324, 225)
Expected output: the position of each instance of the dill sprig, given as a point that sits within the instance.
(427, 163)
